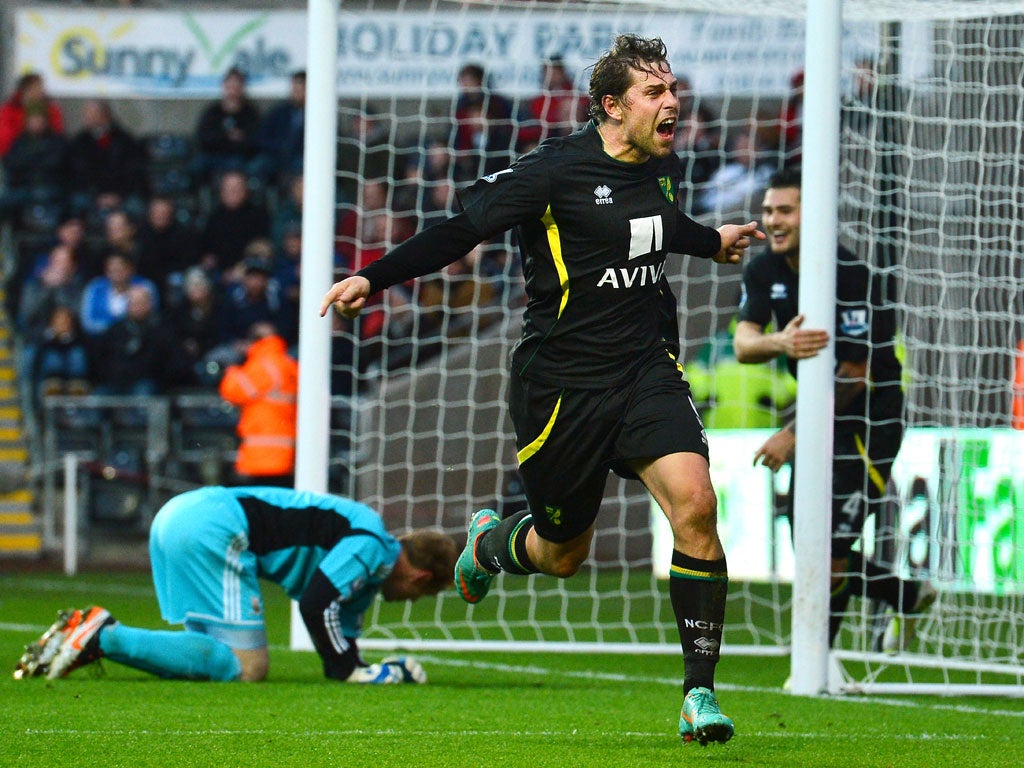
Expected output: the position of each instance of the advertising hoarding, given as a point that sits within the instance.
(960, 501)
(183, 54)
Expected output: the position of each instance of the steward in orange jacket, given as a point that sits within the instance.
(265, 388)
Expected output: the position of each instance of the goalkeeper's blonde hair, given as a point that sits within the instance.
(432, 551)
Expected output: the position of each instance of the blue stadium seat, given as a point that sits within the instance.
(41, 218)
(169, 159)
(169, 148)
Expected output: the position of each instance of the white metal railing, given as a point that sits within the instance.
(81, 435)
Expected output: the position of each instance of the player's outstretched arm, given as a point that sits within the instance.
(736, 238)
(428, 251)
(348, 296)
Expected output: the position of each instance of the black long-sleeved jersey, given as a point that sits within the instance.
(593, 234)
(865, 323)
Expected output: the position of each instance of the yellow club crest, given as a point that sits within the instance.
(667, 189)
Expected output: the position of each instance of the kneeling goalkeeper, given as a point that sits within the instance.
(209, 548)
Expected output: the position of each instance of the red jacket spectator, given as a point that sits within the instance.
(558, 110)
(791, 119)
(482, 134)
(362, 237)
(29, 90)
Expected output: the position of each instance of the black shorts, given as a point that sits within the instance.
(569, 439)
(861, 467)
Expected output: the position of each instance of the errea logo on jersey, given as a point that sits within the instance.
(603, 195)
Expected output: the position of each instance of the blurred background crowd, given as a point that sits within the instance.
(143, 262)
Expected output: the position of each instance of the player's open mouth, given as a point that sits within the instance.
(667, 128)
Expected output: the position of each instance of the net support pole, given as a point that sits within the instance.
(70, 514)
(815, 390)
(318, 207)
(319, 155)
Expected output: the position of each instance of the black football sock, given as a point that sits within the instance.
(910, 590)
(697, 589)
(838, 599)
(503, 548)
(872, 580)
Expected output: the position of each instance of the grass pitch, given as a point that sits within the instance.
(479, 709)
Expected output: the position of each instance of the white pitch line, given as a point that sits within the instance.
(83, 587)
(673, 681)
(667, 681)
(5, 627)
(390, 732)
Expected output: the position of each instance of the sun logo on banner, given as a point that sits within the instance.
(103, 53)
(89, 41)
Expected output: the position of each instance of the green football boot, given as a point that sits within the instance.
(701, 719)
(472, 580)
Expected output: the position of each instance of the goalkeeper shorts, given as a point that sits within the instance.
(204, 575)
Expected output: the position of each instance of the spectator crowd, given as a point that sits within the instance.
(145, 262)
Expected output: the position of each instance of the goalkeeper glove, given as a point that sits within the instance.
(376, 674)
(394, 669)
(412, 671)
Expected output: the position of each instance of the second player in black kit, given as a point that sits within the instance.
(595, 383)
(868, 424)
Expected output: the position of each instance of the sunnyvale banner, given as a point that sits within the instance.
(183, 54)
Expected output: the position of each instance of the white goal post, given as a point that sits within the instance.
(929, 193)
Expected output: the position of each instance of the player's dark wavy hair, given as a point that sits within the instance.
(785, 178)
(612, 74)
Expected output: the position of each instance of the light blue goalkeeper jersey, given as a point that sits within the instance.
(290, 534)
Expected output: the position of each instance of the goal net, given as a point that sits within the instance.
(930, 198)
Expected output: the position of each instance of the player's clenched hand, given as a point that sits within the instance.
(348, 296)
(800, 343)
(777, 450)
(736, 238)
